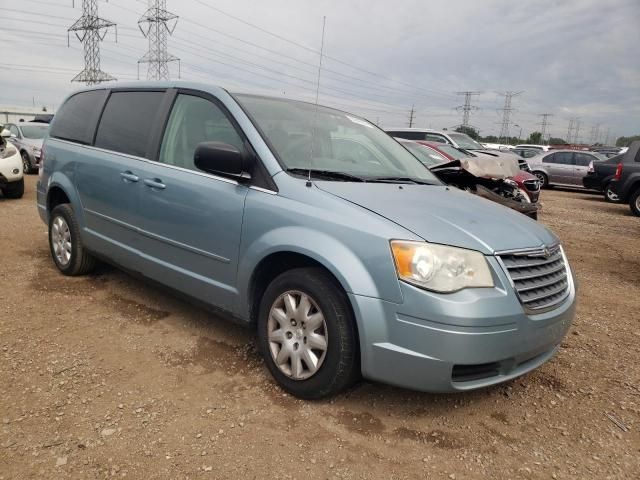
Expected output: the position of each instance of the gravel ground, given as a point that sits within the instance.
(105, 376)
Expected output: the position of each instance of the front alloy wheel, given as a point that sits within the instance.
(307, 333)
(297, 335)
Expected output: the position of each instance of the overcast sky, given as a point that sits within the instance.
(570, 58)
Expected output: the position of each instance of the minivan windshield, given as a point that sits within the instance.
(326, 141)
(465, 141)
(34, 132)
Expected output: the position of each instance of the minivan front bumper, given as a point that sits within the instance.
(470, 339)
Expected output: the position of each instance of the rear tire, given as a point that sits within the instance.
(65, 243)
(609, 195)
(14, 189)
(634, 202)
(285, 331)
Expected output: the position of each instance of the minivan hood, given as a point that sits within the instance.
(446, 215)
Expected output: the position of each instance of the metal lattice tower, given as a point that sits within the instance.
(576, 133)
(570, 130)
(545, 124)
(90, 30)
(506, 114)
(156, 24)
(467, 108)
(595, 133)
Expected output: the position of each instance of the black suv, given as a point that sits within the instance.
(599, 177)
(626, 182)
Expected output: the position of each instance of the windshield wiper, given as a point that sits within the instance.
(399, 180)
(327, 174)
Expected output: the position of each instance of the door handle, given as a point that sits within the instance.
(154, 183)
(128, 177)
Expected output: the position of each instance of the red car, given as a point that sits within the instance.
(527, 182)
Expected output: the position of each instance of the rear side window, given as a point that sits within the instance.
(549, 158)
(128, 121)
(564, 158)
(76, 120)
(583, 160)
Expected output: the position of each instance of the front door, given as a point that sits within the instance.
(191, 220)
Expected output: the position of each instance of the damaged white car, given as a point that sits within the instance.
(11, 174)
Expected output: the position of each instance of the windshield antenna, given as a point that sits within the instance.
(315, 113)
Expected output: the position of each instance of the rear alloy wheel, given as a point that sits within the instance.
(65, 243)
(610, 195)
(307, 334)
(544, 181)
(634, 203)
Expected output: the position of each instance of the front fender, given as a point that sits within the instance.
(335, 256)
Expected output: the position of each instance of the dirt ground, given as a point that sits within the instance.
(105, 376)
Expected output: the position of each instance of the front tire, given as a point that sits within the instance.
(634, 202)
(26, 163)
(14, 190)
(307, 334)
(65, 243)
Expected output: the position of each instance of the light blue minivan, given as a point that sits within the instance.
(311, 225)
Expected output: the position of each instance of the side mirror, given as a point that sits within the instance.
(221, 159)
(5, 133)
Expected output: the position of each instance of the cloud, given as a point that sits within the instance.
(571, 58)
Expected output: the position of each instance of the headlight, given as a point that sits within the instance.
(440, 268)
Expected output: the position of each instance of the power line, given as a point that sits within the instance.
(155, 24)
(506, 114)
(93, 30)
(467, 108)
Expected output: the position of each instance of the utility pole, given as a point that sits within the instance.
(467, 108)
(545, 124)
(506, 114)
(155, 24)
(412, 116)
(90, 30)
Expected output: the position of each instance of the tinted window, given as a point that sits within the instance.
(564, 158)
(432, 137)
(127, 122)
(408, 135)
(583, 160)
(549, 158)
(195, 120)
(76, 120)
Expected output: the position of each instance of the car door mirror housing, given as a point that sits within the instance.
(222, 159)
(5, 133)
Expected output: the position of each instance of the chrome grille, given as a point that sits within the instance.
(532, 185)
(540, 277)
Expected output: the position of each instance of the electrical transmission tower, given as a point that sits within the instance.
(90, 30)
(467, 108)
(570, 129)
(155, 24)
(506, 114)
(545, 124)
(412, 116)
(595, 133)
(576, 133)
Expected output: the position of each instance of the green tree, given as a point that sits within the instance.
(626, 141)
(472, 132)
(535, 138)
(489, 139)
(556, 141)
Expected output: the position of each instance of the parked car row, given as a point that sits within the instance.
(11, 175)
(347, 255)
(28, 138)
